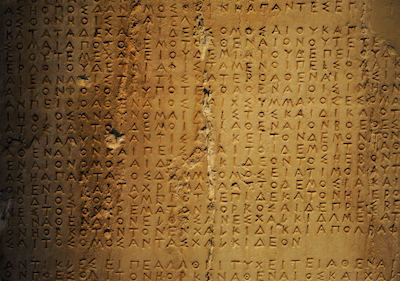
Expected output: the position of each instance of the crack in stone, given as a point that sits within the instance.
(204, 39)
(210, 153)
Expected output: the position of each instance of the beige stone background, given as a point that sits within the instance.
(199, 140)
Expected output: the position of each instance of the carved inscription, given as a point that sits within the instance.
(198, 140)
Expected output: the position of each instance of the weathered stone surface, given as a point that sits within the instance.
(199, 140)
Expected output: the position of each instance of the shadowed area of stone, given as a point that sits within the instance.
(385, 21)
